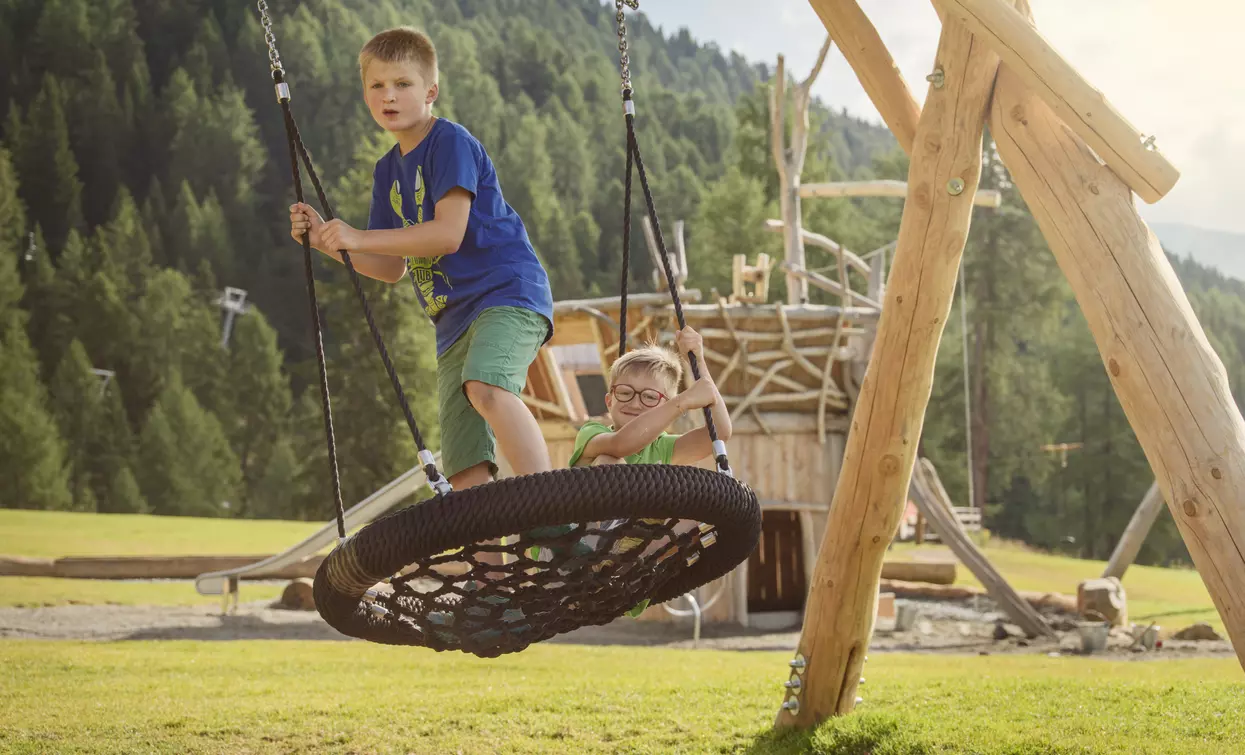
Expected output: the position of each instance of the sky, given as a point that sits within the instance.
(1173, 68)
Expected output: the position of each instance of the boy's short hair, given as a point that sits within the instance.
(651, 359)
(400, 45)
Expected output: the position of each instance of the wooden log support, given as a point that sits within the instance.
(1073, 99)
(881, 447)
(860, 43)
(144, 567)
(1171, 384)
(883, 188)
(1135, 533)
(932, 500)
(929, 572)
(1039, 600)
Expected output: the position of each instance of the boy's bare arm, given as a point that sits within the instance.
(304, 220)
(440, 236)
(639, 432)
(696, 445)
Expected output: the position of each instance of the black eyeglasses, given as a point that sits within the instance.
(648, 397)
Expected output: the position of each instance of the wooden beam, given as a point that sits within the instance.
(1073, 99)
(1170, 383)
(932, 500)
(146, 567)
(930, 572)
(824, 242)
(828, 285)
(860, 43)
(1135, 533)
(1039, 600)
(823, 313)
(884, 188)
(890, 412)
(611, 303)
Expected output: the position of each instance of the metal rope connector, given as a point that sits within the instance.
(719, 455)
(283, 89)
(436, 480)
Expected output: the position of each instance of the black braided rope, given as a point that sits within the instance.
(633, 149)
(325, 402)
(554, 597)
(626, 248)
(297, 145)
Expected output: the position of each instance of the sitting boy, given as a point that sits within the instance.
(643, 400)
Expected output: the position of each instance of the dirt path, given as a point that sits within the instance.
(943, 628)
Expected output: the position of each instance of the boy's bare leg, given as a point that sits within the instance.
(518, 434)
(605, 460)
(472, 476)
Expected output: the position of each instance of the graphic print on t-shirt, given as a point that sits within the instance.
(422, 269)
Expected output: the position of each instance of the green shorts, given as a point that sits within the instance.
(497, 350)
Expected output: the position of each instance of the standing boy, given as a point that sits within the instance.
(437, 212)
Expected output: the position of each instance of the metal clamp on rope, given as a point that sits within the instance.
(628, 103)
(283, 89)
(436, 480)
(719, 454)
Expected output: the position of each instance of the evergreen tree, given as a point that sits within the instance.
(99, 141)
(186, 467)
(261, 409)
(123, 495)
(75, 397)
(46, 168)
(32, 471)
(731, 220)
(373, 442)
(111, 457)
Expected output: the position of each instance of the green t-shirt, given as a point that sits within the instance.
(660, 451)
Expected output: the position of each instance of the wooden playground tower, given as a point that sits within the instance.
(1078, 164)
(788, 373)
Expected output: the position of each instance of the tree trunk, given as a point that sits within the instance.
(881, 447)
(1170, 382)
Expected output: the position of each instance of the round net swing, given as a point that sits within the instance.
(492, 569)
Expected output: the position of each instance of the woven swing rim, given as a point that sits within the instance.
(391, 543)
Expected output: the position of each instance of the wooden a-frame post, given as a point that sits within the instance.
(890, 411)
(1172, 386)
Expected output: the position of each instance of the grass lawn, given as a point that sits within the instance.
(1174, 598)
(52, 534)
(182, 697)
(32, 592)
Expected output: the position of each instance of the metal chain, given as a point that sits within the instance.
(624, 59)
(274, 57)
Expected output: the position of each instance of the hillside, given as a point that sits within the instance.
(143, 168)
(1221, 250)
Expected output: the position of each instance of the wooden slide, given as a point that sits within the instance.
(378, 503)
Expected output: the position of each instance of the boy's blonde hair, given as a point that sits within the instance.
(401, 44)
(650, 359)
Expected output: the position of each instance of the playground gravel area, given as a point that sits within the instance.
(970, 627)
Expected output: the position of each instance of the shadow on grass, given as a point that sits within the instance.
(856, 734)
(877, 733)
(241, 627)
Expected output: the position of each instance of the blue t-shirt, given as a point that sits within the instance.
(495, 266)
